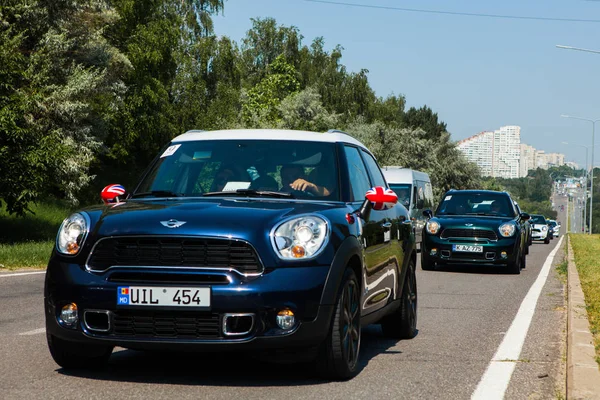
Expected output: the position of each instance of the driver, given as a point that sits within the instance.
(293, 177)
(404, 197)
(496, 207)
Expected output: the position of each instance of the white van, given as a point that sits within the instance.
(414, 192)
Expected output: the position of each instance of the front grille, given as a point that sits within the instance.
(174, 252)
(163, 325)
(469, 233)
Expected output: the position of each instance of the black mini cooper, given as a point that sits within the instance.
(475, 227)
(237, 240)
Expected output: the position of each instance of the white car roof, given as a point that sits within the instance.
(395, 174)
(269, 134)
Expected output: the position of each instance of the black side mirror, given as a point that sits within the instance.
(525, 216)
(428, 213)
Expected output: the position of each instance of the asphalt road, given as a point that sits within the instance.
(464, 315)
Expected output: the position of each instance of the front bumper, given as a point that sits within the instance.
(441, 251)
(539, 235)
(298, 289)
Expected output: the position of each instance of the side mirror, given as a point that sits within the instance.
(377, 198)
(428, 213)
(381, 198)
(112, 194)
(525, 216)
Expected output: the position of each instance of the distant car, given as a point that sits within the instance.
(414, 192)
(555, 227)
(539, 228)
(278, 242)
(479, 227)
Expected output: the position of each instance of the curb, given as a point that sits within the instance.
(583, 375)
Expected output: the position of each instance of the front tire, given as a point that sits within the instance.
(547, 240)
(74, 355)
(515, 266)
(402, 324)
(426, 265)
(338, 356)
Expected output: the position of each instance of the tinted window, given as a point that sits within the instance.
(476, 203)
(403, 192)
(376, 175)
(538, 219)
(359, 180)
(195, 168)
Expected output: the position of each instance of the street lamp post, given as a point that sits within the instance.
(593, 121)
(586, 179)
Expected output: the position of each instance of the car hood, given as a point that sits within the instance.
(471, 222)
(222, 217)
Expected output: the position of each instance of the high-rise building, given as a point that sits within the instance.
(477, 149)
(528, 159)
(496, 153)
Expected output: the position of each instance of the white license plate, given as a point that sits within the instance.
(467, 248)
(153, 296)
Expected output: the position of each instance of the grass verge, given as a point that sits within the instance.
(26, 242)
(586, 249)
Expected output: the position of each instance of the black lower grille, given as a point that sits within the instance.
(469, 233)
(174, 325)
(172, 252)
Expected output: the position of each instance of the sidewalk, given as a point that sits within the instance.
(583, 375)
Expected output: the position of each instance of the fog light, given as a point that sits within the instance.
(503, 255)
(286, 319)
(433, 252)
(68, 315)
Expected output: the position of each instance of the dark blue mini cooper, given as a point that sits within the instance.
(281, 241)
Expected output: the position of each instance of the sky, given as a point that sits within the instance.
(476, 73)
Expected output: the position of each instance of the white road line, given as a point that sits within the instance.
(33, 332)
(495, 380)
(22, 273)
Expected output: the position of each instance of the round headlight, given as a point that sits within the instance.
(432, 227)
(71, 234)
(544, 228)
(507, 230)
(300, 238)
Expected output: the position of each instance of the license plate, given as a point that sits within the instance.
(467, 248)
(153, 296)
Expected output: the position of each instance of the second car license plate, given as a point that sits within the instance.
(153, 296)
(467, 248)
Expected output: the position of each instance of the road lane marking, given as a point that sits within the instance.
(22, 273)
(33, 332)
(495, 380)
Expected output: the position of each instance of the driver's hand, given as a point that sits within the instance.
(303, 185)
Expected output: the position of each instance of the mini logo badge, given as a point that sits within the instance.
(172, 223)
(468, 224)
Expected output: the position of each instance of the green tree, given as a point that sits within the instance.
(304, 111)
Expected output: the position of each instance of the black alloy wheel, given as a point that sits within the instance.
(402, 324)
(338, 358)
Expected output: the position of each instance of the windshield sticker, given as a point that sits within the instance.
(170, 150)
(447, 198)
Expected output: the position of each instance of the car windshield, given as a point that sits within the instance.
(403, 192)
(476, 203)
(552, 223)
(538, 219)
(251, 168)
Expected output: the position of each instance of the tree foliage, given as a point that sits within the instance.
(90, 90)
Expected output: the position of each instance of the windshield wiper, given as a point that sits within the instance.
(158, 193)
(252, 192)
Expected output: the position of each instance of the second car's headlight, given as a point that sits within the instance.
(544, 228)
(300, 238)
(72, 233)
(432, 227)
(507, 230)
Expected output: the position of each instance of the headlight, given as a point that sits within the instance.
(507, 230)
(432, 227)
(300, 238)
(544, 228)
(72, 233)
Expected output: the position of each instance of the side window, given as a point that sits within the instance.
(376, 175)
(428, 195)
(359, 180)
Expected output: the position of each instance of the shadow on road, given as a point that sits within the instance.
(222, 369)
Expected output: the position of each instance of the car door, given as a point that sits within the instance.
(388, 274)
(373, 237)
